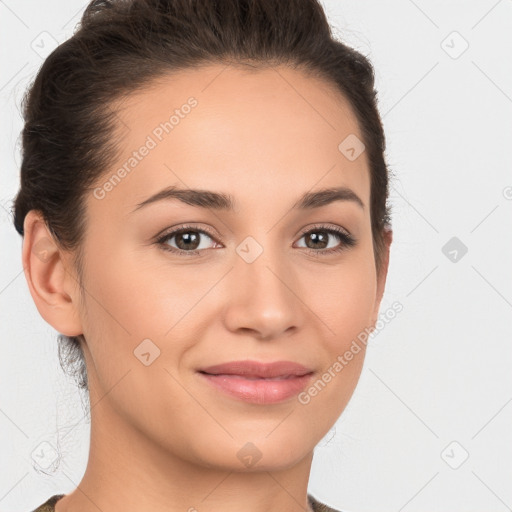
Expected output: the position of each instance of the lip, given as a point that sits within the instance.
(259, 383)
(256, 369)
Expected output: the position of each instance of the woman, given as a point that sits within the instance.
(203, 208)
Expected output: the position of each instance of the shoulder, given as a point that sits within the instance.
(317, 506)
(49, 505)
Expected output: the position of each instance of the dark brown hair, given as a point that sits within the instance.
(69, 142)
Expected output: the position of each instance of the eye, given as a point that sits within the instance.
(319, 236)
(188, 240)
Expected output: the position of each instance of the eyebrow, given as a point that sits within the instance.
(226, 202)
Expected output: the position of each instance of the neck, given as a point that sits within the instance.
(128, 471)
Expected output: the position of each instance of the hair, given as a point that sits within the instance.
(121, 46)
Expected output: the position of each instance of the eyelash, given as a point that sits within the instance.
(347, 240)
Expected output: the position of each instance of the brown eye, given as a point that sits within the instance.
(192, 241)
(317, 240)
(187, 240)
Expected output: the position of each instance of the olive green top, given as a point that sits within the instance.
(49, 506)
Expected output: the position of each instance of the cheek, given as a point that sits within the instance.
(344, 298)
(128, 296)
(344, 301)
(129, 309)
(137, 305)
(345, 308)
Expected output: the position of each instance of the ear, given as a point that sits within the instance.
(51, 279)
(382, 274)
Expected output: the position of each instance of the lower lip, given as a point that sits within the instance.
(259, 391)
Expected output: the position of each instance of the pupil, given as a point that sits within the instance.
(317, 238)
(187, 236)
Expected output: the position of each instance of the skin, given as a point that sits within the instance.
(161, 438)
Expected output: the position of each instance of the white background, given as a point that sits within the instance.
(437, 373)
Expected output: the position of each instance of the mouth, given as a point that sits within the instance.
(254, 389)
(254, 377)
(249, 369)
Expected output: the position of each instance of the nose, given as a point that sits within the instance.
(265, 297)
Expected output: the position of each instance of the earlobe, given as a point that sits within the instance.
(53, 288)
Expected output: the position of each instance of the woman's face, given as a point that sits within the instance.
(260, 281)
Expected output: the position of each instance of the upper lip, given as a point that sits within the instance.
(257, 369)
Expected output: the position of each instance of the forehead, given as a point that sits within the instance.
(255, 134)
